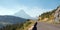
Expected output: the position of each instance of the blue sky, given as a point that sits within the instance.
(31, 7)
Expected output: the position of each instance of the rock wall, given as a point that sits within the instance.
(57, 15)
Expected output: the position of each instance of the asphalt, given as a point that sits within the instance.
(45, 26)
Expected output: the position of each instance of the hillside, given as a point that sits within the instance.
(8, 19)
(19, 26)
(49, 16)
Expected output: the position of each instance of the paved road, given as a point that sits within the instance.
(45, 26)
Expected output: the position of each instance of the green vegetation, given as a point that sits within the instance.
(12, 27)
(28, 24)
(47, 16)
(18, 26)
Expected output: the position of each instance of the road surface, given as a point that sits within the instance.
(45, 26)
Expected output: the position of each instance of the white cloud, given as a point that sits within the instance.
(11, 11)
(5, 11)
(10, 7)
(35, 11)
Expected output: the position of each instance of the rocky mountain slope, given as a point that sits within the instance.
(51, 16)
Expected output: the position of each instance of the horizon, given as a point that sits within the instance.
(33, 8)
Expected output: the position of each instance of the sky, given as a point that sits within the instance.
(31, 7)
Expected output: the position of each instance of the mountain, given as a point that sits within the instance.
(51, 16)
(57, 15)
(23, 14)
(8, 19)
